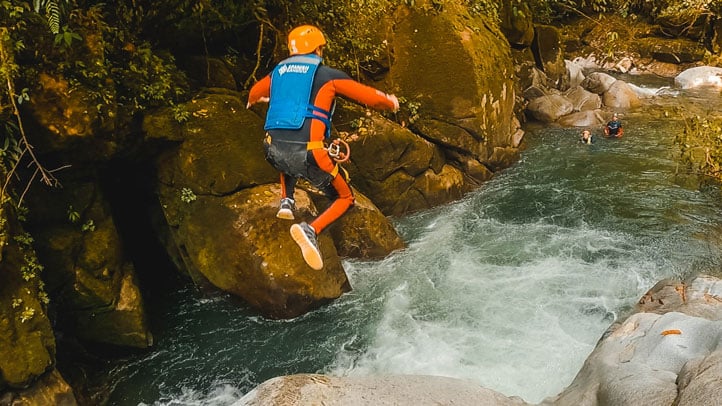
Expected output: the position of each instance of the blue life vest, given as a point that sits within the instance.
(291, 85)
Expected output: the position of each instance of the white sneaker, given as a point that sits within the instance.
(287, 207)
(305, 237)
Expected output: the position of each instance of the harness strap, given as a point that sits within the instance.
(315, 145)
(321, 115)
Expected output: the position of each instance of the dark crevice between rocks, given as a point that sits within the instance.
(128, 187)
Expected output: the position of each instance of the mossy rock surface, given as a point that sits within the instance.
(27, 342)
(220, 149)
(238, 245)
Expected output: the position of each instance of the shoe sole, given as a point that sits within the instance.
(285, 214)
(310, 254)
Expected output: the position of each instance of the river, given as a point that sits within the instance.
(511, 287)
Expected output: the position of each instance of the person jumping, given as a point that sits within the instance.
(301, 92)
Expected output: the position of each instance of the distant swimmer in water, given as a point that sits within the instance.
(614, 129)
(586, 137)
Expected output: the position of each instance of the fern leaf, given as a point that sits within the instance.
(53, 11)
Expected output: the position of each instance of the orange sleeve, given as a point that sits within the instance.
(262, 88)
(363, 94)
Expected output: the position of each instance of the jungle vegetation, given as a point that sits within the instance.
(126, 52)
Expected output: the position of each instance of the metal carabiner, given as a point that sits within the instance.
(335, 152)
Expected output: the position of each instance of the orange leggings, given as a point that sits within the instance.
(338, 191)
(343, 201)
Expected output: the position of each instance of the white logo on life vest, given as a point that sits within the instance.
(293, 69)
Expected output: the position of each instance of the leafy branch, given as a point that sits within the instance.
(8, 70)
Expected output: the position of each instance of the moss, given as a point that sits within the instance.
(26, 337)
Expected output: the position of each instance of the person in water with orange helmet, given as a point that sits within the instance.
(301, 93)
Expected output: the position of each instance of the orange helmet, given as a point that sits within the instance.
(305, 39)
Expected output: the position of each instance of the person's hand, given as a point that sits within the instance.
(394, 100)
(260, 99)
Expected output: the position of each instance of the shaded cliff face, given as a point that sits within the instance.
(27, 343)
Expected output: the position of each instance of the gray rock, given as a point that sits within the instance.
(699, 77)
(307, 389)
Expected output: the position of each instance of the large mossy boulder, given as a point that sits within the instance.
(458, 70)
(400, 171)
(237, 244)
(219, 149)
(363, 231)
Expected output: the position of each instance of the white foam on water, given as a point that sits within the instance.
(221, 395)
(515, 311)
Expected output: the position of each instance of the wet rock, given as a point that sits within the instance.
(93, 280)
(297, 390)
(588, 118)
(50, 389)
(582, 99)
(668, 352)
(598, 82)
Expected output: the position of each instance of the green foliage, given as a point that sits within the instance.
(52, 10)
(24, 239)
(73, 215)
(27, 314)
(88, 226)
(701, 145)
(187, 195)
(180, 113)
(31, 269)
(66, 37)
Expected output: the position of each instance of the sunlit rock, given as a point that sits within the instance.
(221, 149)
(621, 95)
(668, 352)
(700, 76)
(50, 389)
(416, 390)
(471, 59)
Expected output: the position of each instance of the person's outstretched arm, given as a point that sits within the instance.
(367, 95)
(260, 91)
